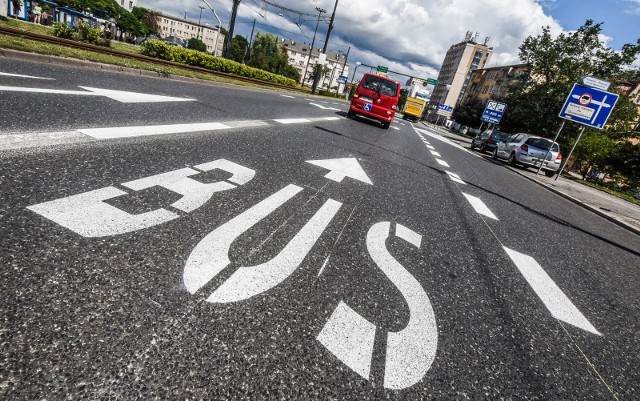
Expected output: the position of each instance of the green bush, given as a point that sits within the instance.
(161, 50)
(91, 35)
(62, 30)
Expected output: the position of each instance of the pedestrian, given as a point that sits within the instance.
(16, 8)
(44, 17)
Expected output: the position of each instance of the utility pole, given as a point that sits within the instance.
(345, 64)
(324, 49)
(313, 42)
(251, 41)
(199, 22)
(232, 23)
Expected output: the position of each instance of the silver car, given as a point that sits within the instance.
(529, 150)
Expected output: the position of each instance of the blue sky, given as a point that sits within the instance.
(621, 18)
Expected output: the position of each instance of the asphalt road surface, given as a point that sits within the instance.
(178, 240)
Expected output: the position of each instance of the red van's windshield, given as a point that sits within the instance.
(380, 85)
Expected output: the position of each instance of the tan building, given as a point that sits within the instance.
(336, 63)
(127, 4)
(185, 30)
(493, 83)
(455, 73)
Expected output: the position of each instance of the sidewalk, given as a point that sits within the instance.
(612, 208)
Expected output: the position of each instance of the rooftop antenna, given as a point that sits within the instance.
(486, 40)
(467, 36)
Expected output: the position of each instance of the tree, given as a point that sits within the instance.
(196, 44)
(148, 20)
(268, 54)
(469, 113)
(239, 47)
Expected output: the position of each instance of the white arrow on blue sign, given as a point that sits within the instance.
(588, 106)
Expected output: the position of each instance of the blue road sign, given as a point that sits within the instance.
(588, 106)
(342, 79)
(493, 112)
(445, 107)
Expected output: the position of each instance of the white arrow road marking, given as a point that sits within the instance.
(410, 351)
(120, 96)
(249, 281)
(549, 293)
(323, 107)
(443, 163)
(479, 206)
(340, 168)
(455, 177)
(6, 74)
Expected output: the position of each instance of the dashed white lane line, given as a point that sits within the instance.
(127, 132)
(549, 293)
(6, 74)
(396, 128)
(479, 206)
(290, 97)
(323, 107)
(455, 177)
(445, 140)
(430, 147)
(304, 120)
(436, 154)
(443, 163)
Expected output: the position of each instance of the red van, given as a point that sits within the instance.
(376, 97)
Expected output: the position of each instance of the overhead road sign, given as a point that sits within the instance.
(493, 112)
(588, 106)
(382, 69)
(432, 81)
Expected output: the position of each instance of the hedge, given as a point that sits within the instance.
(161, 50)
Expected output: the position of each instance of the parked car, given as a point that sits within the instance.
(376, 97)
(530, 150)
(487, 140)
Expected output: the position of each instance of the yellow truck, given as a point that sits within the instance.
(413, 108)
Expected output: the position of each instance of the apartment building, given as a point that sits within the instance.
(461, 59)
(336, 64)
(127, 4)
(184, 29)
(493, 83)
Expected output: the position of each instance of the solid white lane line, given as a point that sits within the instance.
(436, 154)
(479, 206)
(128, 132)
(290, 97)
(549, 293)
(323, 107)
(455, 177)
(443, 163)
(6, 74)
(292, 120)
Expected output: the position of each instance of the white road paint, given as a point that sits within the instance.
(410, 351)
(430, 147)
(88, 215)
(323, 107)
(549, 293)
(444, 140)
(146, 130)
(350, 337)
(395, 128)
(292, 120)
(436, 154)
(249, 281)
(340, 168)
(479, 206)
(455, 177)
(6, 74)
(443, 163)
(290, 97)
(120, 96)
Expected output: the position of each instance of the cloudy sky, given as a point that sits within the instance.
(412, 36)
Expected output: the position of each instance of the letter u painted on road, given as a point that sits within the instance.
(88, 215)
(211, 255)
(410, 351)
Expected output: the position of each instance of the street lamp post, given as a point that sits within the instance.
(358, 64)
(313, 42)
(199, 23)
(324, 48)
(215, 47)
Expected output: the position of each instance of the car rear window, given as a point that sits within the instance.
(383, 86)
(541, 143)
(500, 136)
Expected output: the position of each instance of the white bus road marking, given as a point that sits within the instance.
(479, 206)
(455, 177)
(549, 293)
(443, 163)
(6, 74)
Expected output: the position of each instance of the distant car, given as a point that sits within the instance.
(529, 150)
(488, 140)
(376, 97)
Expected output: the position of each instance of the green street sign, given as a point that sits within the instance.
(383, 69)
(432, 81)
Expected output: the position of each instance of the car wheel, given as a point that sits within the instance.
(549, 173)
(494, 155)
(386, 125)
(482, 148)
(472, 146)
(350, 114)
(512, 159)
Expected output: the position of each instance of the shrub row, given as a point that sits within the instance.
(83, 33)
(161, 50)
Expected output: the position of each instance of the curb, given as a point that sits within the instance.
(581, 203)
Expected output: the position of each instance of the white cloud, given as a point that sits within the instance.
(633, 7)
(409, 36)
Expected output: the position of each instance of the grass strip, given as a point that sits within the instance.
(619, 194)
